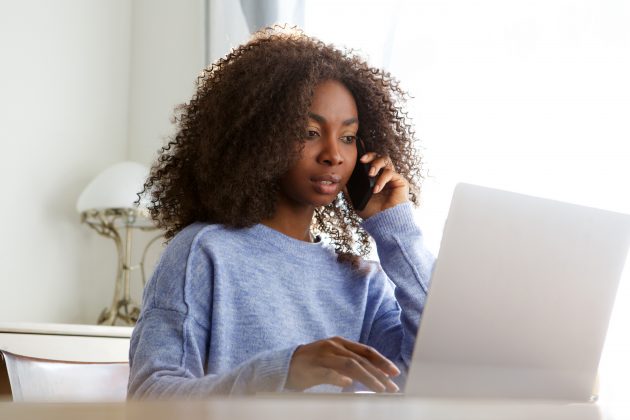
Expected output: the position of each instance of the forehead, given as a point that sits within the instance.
(332, 98)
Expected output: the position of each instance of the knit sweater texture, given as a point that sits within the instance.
(226, 308)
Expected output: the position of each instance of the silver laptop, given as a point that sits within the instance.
(520, 300)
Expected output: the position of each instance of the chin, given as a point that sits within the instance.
(325, 201)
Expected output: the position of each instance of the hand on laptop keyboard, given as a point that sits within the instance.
(339, 362)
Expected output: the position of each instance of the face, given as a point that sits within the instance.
(329, 153)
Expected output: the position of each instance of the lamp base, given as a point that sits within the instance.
(126, 311)
(118, 224)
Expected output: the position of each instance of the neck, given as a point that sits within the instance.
(294, 222)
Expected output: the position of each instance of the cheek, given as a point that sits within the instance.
(350, 157)
(295, 176)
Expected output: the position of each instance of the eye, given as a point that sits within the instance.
(311, 134)
(349, 139)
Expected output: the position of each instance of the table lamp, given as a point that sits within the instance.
(107, 206)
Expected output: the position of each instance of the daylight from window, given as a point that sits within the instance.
(531, 97)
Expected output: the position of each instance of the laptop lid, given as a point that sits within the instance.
(520, 299)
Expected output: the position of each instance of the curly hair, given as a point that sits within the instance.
(244, 128)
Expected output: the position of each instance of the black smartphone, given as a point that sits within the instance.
(361, 184)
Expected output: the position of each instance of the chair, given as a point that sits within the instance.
(42, 380)
(63, 363)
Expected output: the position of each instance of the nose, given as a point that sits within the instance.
(330, 153)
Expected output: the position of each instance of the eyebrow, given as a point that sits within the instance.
(322, 120)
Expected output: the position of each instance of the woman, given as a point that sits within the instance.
(262, 286)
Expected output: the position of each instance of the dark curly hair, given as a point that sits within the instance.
(244, 128)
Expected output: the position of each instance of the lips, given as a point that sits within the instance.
(326, 184)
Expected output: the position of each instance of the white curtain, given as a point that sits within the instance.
(229, 23)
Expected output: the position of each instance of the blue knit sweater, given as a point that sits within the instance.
(226, 308)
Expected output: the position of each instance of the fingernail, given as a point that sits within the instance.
(376, 187)
(372, 171)
(395, 369)
(364, 158)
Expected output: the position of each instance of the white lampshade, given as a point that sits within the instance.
(117, 187)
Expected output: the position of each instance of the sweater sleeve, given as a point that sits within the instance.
(169, 346)
(408, 264)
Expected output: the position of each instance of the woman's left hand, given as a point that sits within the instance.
(391, 188)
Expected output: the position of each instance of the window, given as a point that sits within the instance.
(525, 96)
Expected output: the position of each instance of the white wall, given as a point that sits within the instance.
(67, 112)
(167, 55)
(228, 28)
(63, 111)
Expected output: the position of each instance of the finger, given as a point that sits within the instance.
(371, 354)
(369, 358)
(351, 367)
(378, 160)
(382, 180)
(373, 370)
(378, 164)
(332, 377)
(394, 182)
(369, 157)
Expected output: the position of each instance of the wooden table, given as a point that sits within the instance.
(318, 408)
(87, 344)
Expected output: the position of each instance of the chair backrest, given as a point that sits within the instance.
(42, 380)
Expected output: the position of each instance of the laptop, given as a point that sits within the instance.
(520, 298)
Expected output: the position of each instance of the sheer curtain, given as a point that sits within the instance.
(229, 23)
(532, 97)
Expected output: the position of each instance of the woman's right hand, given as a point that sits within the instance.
(338, 361)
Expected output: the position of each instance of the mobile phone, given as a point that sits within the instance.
(361, 184)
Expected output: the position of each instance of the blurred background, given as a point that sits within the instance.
(531, 96)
